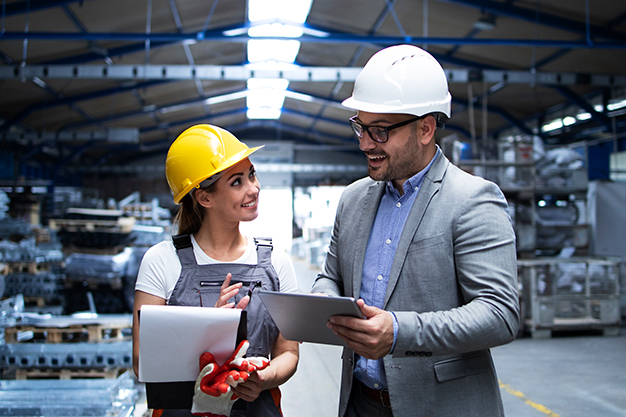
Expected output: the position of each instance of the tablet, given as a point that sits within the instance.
(303, 317)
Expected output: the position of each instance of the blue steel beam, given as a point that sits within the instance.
(542, 18)
(618, 20)
(332, 38)
(128, 49)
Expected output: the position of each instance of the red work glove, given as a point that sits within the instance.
(212, 393)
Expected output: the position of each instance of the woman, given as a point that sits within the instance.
(209, 173)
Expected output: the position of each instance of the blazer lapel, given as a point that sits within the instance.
(430, 186)
(369, 208)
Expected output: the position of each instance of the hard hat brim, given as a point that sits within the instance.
(354, 104)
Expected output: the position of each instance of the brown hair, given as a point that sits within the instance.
(190, 214)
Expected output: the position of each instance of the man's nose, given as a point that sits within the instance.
(367, 143)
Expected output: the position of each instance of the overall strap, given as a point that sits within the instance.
(264, 250)
(184, 249)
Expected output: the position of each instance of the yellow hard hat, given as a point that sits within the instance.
(198, 153)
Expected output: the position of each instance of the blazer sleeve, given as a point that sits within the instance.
(485, 272)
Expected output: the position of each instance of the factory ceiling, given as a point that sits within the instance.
(100, 83)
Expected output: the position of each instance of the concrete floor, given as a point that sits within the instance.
(573, 375)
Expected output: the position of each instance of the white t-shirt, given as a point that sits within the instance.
(160, 267)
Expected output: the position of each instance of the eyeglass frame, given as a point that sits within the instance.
(386, 129)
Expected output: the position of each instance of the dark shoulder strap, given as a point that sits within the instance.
(264, 249)
(181, 241)
(184, 249)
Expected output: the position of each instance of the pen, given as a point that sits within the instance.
(252, 286)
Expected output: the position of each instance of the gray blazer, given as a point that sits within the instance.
(453, 289)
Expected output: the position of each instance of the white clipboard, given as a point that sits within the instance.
(303, 317)
(172, 338)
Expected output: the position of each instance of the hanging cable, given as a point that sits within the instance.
(148, 29)
(425, 24)
(484, 120)
(26, 26)
(587, 23)
(470, 109)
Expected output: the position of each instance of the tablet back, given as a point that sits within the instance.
(303, 317)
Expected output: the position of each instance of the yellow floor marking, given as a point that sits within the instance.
(529, 402)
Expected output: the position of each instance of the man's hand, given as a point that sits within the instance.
(371, 337)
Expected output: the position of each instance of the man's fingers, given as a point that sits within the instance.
(368, 311)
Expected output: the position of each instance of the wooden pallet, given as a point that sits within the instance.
(76, 373)
(121, 225)
(72, 334)
(27, 267)
(35, 301)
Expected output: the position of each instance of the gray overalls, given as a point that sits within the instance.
(199, 285)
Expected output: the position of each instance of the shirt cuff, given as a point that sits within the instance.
(395, 331)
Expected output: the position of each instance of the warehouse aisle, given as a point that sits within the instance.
(314, 390)
(573, 375)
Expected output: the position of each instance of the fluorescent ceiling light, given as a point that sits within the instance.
(291, 10)
(275, 83)
(569, 120)
(615, 106)
(583, 116)
(553, 125)
(276, 50)
(273, 18)
(265, 97)
(277, 30)
(263, 113)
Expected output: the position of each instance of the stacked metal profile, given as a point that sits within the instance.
(65, 365)
(33, 269)
(99, 262)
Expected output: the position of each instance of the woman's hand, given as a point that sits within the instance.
(227, 292)
(257, 382)
(285, 354)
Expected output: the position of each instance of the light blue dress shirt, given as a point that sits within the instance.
(391, 217)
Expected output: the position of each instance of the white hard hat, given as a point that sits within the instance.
(401, 79)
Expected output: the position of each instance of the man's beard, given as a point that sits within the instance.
(402, 165)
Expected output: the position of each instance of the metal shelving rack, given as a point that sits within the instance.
(591, 300)
(571, 294)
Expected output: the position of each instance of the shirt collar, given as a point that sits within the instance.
(413, 183)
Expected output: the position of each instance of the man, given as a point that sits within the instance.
(428, 250)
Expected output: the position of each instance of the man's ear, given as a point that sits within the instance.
(427, 129)
(203, 197)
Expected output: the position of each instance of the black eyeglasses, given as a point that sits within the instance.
(378, 134)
